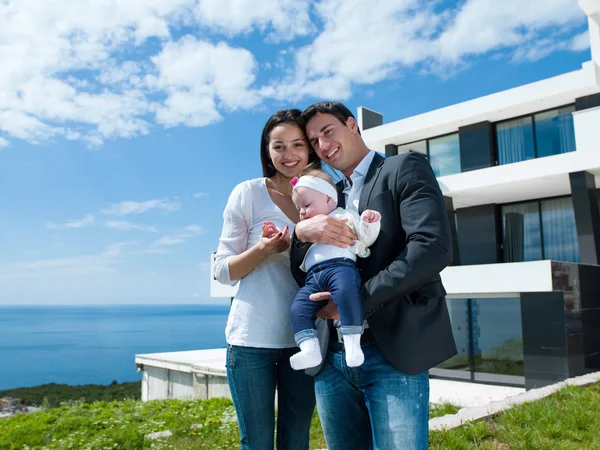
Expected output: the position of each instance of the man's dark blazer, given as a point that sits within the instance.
(403, 298)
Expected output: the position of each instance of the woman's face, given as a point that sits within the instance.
(288, 149)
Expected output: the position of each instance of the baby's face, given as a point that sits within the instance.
(311, 203)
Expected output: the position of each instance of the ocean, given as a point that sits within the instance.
(98, 344)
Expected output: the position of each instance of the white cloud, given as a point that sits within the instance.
(91, 70)
(201, 194)
(169, 240)
(74, 265)
(84, 222)
(127, 226)
(44, 44)
(89, 220)
(201, 77)
(156, 251)
(115, 250)
(481, 26)
(72, 68)
(580, 42)
(189, 232)
(4, 142)
(129, 207)
(361, 42)
(366, 42)
(195, 229)
(285, 18)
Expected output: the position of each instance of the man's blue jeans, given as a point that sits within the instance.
(373, 406)
(253, 374)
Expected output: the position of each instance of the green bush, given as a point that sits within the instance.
(51, 395)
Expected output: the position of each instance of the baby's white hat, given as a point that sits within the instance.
(316, 183)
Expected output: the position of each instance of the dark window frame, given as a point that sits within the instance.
(539, 205)
(474, 376)
(495, 128)
(533, 129)
(439, 137)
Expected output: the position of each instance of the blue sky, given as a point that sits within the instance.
(124, 125)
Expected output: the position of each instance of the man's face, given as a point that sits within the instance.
(335, 143)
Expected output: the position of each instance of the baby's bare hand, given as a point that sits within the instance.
(278, 243)
(370, 216)
(270, 229)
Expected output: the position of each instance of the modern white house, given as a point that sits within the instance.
(520, 172)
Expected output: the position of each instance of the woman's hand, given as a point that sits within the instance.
(274, 241)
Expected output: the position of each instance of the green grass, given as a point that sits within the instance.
(567, 420)
(442, 410)
(124, 424)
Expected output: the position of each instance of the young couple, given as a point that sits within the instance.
(381, 403)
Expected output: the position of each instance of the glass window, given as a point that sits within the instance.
(497, 336)
(459, 318)
(419, 147)
(444, 155)
(515, 141)
(521, 234)
(554, 132)
(558, 230)
(489, 340)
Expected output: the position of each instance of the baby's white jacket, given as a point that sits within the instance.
(366, 234)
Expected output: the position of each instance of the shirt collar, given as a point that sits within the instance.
(363, 166)
(361, 169)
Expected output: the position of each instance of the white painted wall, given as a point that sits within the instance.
(525, 180)
(587, 130)
(497, 280)
(521, 100)
(186, 375)
(217, 289)
(592, 10)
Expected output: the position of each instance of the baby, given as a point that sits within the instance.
(330, 269)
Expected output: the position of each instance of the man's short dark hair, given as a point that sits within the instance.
(336, 109)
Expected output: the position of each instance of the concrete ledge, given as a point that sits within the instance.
(209, 362)
(450, 421)
(468, 395)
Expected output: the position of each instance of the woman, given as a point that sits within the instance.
(258, 333)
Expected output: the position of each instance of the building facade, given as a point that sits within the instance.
(520, 172)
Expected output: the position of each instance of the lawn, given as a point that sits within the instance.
(569, 419)
(124, 424)
(566, 420)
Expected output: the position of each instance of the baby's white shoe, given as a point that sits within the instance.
(354, 354)
(308, 356)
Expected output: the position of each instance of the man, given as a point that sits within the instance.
(384, 403)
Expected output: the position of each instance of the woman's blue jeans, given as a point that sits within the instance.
(253, 375)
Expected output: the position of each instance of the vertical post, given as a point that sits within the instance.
(452, 220)
(391, 150)
(477, 146)
(587, 216)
